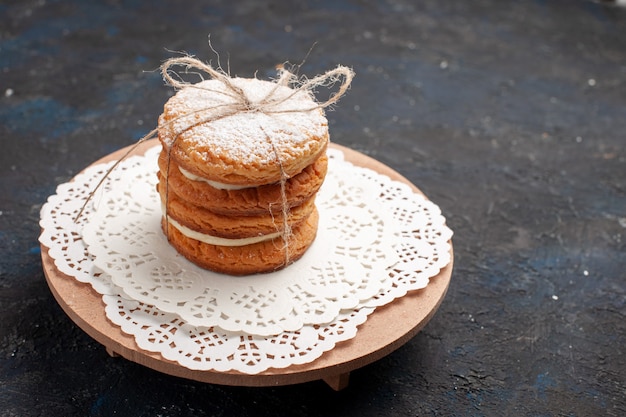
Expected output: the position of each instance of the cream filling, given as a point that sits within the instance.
(220, 241)
(214, 184)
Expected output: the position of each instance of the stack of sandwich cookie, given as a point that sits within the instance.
(237, 179)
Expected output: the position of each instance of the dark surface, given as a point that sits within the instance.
(509, 115)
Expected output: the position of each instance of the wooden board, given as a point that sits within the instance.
(385, 330)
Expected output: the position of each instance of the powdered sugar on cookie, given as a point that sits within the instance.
(215, 136)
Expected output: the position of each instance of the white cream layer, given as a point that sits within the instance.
(220, 241)
(214, 184)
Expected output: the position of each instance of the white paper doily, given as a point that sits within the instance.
(383, 240)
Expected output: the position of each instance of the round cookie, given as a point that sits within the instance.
(259, 257)
(202, 220)
(247, 201)
(269, 133)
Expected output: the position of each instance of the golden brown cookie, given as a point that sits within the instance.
(266, 256)
(247, 201)
(277, 132)
(205, 221)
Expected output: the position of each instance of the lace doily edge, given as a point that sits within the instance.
(446, 278)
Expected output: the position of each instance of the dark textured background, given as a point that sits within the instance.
(511, 115)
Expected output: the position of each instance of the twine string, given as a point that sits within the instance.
(239, 103)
